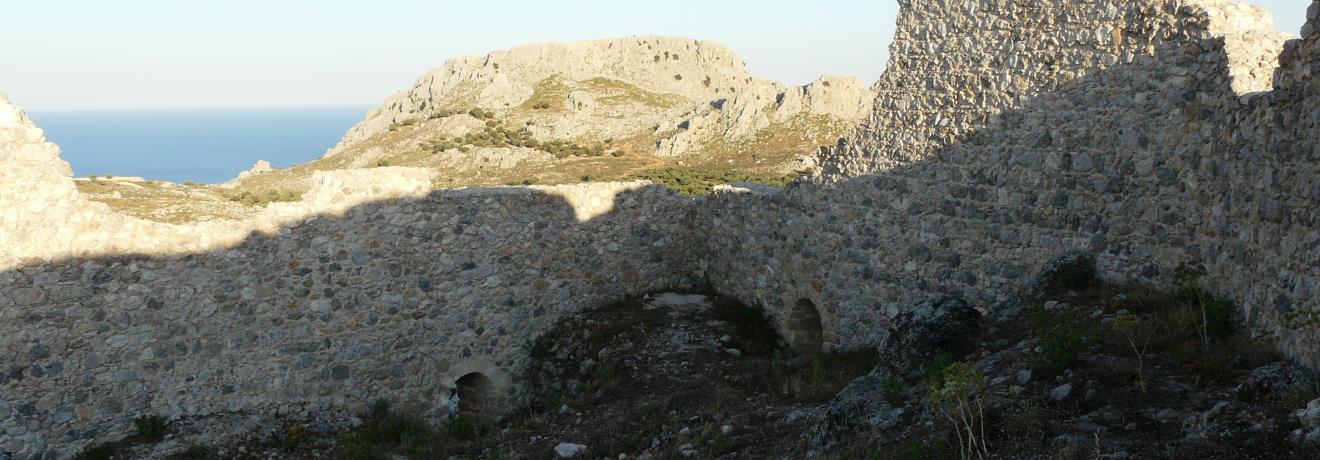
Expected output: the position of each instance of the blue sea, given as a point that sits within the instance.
(206, 145)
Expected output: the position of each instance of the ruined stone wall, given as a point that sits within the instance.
(1269, 217)
(393, 298)
(955, 65)
(1007, 133)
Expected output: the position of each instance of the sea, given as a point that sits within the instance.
(199, 145)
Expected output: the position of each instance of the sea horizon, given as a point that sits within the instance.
(204, 145)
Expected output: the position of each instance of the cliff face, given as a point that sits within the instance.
(653, 87)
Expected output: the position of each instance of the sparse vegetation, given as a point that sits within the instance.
(386, 433)
(147, 429)
(1137, 333)
(1215, 314)
(247, 198)
(695, 182)
(150, 428)
(958, 399)
(196, 452)
(404, 123)
(1061, 346)
(892, 387)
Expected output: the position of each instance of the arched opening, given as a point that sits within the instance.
(804, 331)
(474, 395)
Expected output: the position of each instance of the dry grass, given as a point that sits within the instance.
(163, 201)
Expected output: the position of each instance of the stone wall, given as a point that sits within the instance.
(1007, 133)
(357, 299)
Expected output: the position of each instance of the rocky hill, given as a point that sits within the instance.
(597, 110)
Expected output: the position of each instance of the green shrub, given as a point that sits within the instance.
(694, 182)
(150, 428)
(606, 374)
(1214, 313)
(1061, 347)
(936, 367)
(98, 452)
(196, 452)
(892, 388)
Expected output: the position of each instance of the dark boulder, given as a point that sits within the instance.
(1275, 380)
(860, 408)
(947, 324)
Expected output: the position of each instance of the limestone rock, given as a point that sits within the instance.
(569, 450)
(262, 166)
(619, 88)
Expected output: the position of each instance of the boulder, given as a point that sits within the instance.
(1274, 380)
(569, 450)
(1309, 416)
(916, 335)
(860, 407)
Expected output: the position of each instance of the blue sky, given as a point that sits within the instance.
(95, 54)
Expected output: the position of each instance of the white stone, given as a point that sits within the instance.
(569, 450)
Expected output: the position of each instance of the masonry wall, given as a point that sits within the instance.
(1007, 133)
(395, 298)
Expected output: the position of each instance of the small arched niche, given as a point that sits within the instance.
(475, 395)
(804, 331)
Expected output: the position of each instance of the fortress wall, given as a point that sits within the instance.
(1270, 257)
(954, 65)
(989, 163)
(1005, 133)
(391, 298)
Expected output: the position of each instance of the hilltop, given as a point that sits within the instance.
(599, 110)
(681, 112)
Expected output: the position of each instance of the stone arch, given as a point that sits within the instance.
(804, 329)
(476, 395)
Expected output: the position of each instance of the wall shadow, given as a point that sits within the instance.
(1152, 164)
(397, 299)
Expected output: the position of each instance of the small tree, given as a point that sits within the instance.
(958, 399)
(1137, 333)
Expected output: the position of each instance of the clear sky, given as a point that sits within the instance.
(95, 54)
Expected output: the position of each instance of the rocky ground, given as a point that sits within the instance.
(1083, 371)
(164, 201)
